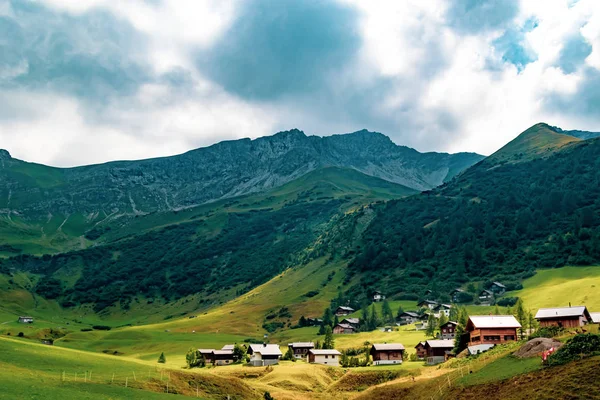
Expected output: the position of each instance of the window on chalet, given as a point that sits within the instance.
(509, 337)
(475, 339)
(492, 338)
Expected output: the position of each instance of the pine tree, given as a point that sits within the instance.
(400, 312)
(386, 312)
(430, 331)
(373, 319)
(460, 330)
(364, 320)
(521, 315)
(442, 320)
(454, 311)
(317, 345)
(302, 322)
(336, 320)
(329, 342)
(162, 359)
(328, 317)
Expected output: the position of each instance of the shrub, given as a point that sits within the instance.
(102, 327)
(579, 346)
(86, 329)
(162, 359)
(547, 332)
(507, 301)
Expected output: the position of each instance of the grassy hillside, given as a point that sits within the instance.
(561, 286)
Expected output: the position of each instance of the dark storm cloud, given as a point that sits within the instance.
(474, 16)
(278, 48)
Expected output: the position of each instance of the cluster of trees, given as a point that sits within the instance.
(494, 221)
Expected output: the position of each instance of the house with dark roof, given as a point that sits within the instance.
(222, 357)
(564, 317)
(264, 354)
(378, 296)
(438, 351)
(428, 304)
(497, 288)
(208, 355)
(448, 330)
(343, 329)
(300, 349)
(387, 353)
(355, 322)
(421, 351)
(408, 317)
(492, 329)
(455, 295)
(342, 311)
(486, 296)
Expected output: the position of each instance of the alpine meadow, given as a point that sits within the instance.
(166, 233)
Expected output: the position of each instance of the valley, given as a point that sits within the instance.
(114, 292)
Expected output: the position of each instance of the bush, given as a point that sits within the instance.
(272, 326)
(507, 301)
(547, 332)
(102, 327)
(86, 329)
(579, 346)
(463, 297)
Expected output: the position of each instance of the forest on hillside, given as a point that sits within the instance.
(498, 221)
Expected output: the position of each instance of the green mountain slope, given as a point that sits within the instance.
(541, 140)
(497, 220)
(59, 206)
(214, 252)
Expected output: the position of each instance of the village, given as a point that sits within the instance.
(468, 335)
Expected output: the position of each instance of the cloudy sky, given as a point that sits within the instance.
(87, 81)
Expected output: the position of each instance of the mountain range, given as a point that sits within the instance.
(218, 221)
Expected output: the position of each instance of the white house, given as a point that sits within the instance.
(325, 357)
(26, 320)
(264, 354)
(378, 296)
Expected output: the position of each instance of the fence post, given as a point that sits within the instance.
(126, 383)
(134, 378)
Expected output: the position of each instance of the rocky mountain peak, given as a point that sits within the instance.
(4, 155)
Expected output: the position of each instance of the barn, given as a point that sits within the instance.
(564, 317)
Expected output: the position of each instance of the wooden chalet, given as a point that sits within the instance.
(455, 295)
(342, 311)
(314, 321)
(355, 322)
(442, 309)
(564, 317)
(428, 304)
(448, 330)
(264, 354)
(324, 356)
(486, 296)
(492, 329)
(300, 349)
(408, 317)
(387, 353)
(222, 357)
(343, 329)
(208, 355)
(421, 351)
(497, 288)
(438, 351)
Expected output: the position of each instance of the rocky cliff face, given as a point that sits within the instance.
(223, 170)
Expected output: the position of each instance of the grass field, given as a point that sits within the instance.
(561, 286)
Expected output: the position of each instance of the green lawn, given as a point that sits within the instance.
(503, 368)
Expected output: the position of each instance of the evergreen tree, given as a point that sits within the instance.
(386, 312)
(521, 315)
(460, 330)
(289, 355)
(399, 313)
(302, 321)
(364, 319)
(267, 396)
(317, 345)
(442, 320)
(373, 319)
(454, 311)
(532, 323)
(321, 329)
(162, 359)
(336, 320)
(329, 342)
(328, 317)
(430, 331)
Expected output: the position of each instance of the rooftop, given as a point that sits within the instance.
(269, 349)
(575, 311)
(353, 321)
(494, 321)
(595, 317)
(443, 344)
(301, 344)
(388, 346)
(345, 308)
(323, 352)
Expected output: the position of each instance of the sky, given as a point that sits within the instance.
(89, 81)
